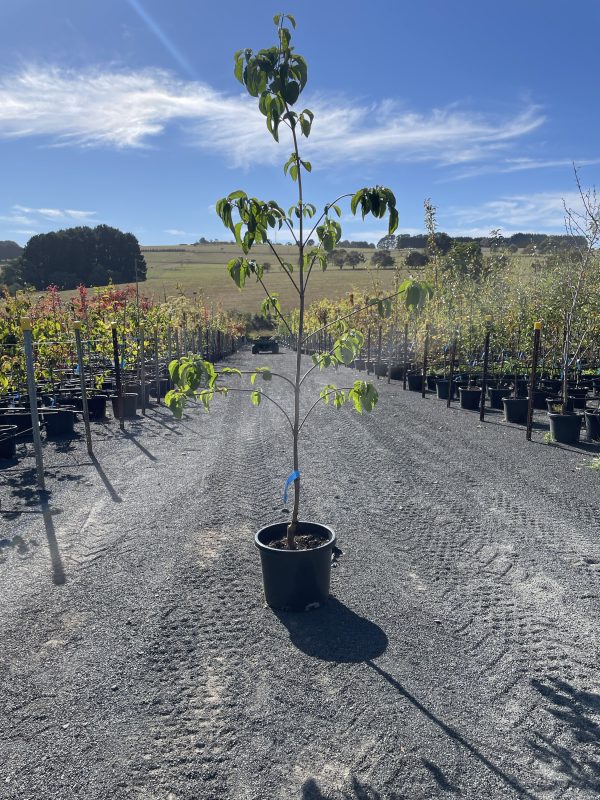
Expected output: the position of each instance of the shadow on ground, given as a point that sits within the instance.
(335, 633)
(579, 711)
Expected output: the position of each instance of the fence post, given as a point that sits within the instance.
(156, 375)
(118, 376)
(405, 366)
(537, 327)
(84, 402)
(486, 361)
(141, 337)
(425, 355)
(31, 389)
(451, 371)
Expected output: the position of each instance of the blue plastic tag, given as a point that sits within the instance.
(293, 476)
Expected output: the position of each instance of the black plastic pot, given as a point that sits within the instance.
(96, 405)
(470, 397)
(579, 400)
(22, 419)
(8, 447)
(129, 404)
(497, 394)
(415, 381)
(431, 382)
(59, 422)
(441, 388)
(565, 428)
(396, 372)
(539, 399)
(515, 410)
(553, 384)
(381, 369)
(295, 580)
(592, 424)
(553, 403)
(359, 363)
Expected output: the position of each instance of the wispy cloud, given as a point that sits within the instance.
(175, 232)
(56, 213)
(519, 165)
(27, 221)
(131, 109)
(539, 212)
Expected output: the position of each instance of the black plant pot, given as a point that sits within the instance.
(59, 422)
(515, 409)
(497, 394)
(129, 404)
(470, 397)
(553, 384)
(431, 382)
(579, 400)
(22, 419)
(295, 580)
(96, 405)
(592, 424)
(415, 381)
(8, 447)
(554, 404)
(565, 428)
(539, 399)
(359, 363)
(441, 388)
(381, 369)
(396, 372)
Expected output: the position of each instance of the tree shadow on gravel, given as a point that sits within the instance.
(335, 633)
(579, 711)
(518, 790)
(357, 791)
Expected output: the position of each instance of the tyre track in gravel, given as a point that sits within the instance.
(219, 698)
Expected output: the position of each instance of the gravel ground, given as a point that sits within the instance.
(458, 655)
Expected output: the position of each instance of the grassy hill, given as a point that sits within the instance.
(196, 268)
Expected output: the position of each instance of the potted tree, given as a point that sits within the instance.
(574, 274)
(295, 557)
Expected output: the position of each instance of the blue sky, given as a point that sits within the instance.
(127, 112)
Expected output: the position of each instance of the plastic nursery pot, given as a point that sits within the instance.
(415, 381)
(555, 404)
(22, 419)
(515, 409)
(396, 372)
(565, 428)
(553, 384)
(539, 399)
(441, 388)
(497, 394)
(359, 363)
(8, 447)
(59, 422)
(592, 424)
(579, 400)
(295, 580)
(470, 398)
(381, 369)
(129, 404)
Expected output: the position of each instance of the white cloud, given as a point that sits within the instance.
(519, 165)
(175, 232)
(130, 109)
(540, 212)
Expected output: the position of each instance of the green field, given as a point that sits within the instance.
(201, 268)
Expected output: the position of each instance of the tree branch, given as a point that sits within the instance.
(274, 306)
(283, 266)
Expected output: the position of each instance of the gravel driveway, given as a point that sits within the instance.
(458, 655)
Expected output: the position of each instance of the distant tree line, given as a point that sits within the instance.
(83, 255)
(531, 242)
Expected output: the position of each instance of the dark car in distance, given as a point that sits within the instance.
(265, 344)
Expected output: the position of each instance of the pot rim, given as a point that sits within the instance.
(262, 546)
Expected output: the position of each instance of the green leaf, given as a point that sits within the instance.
(230, 371)
(256, 397)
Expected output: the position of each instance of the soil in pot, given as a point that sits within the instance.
(515, 410)
(295, 580)
(470, 397)
(565, 428)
